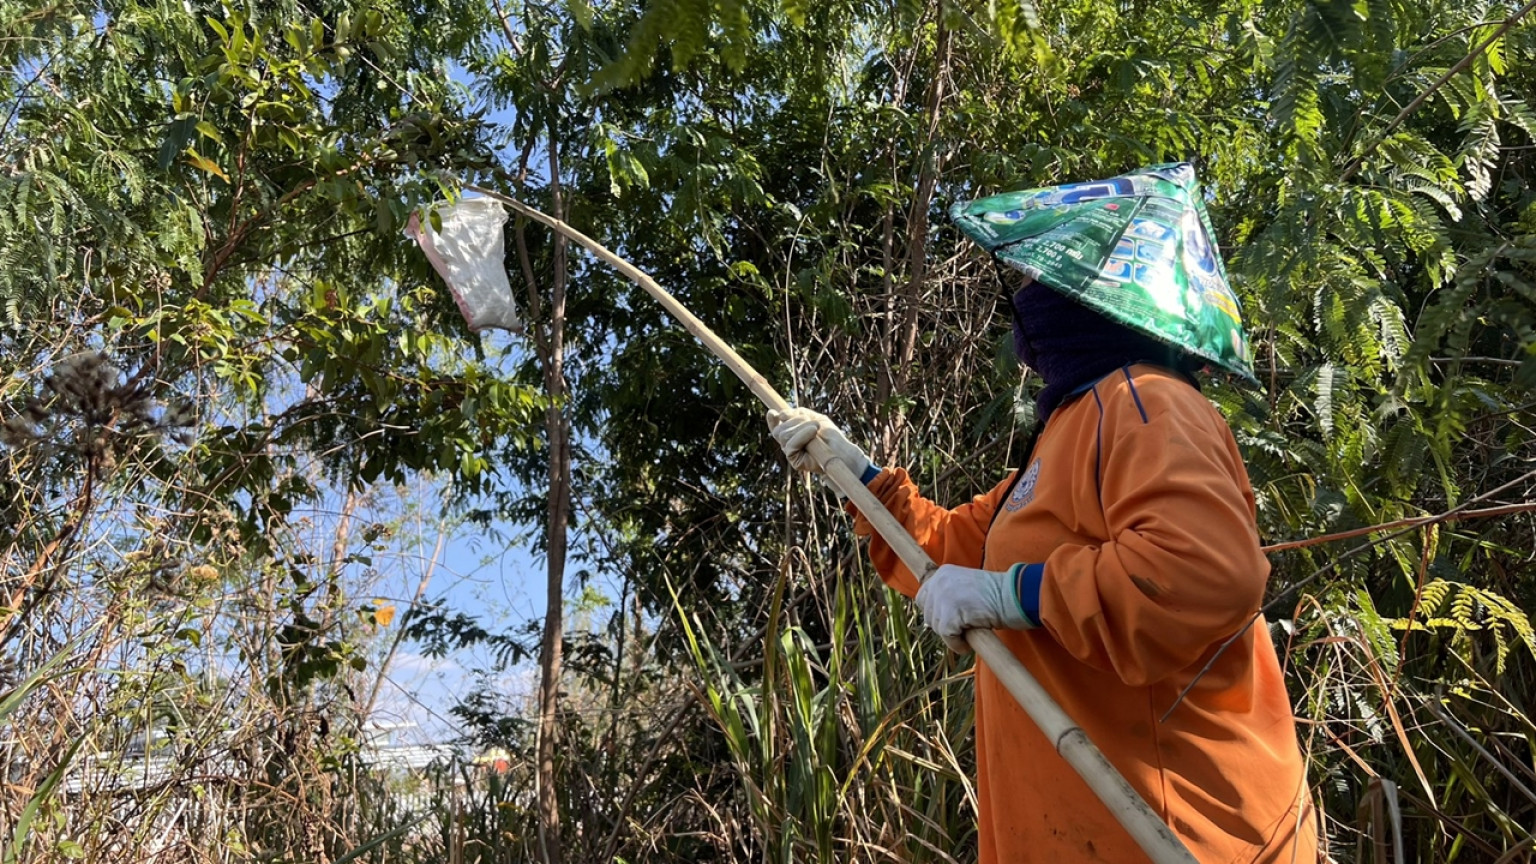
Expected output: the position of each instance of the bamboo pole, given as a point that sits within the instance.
(1071, 742)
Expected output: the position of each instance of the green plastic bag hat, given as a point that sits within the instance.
(1137, 248)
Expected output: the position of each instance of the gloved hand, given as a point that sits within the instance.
(795, 428)
(956, 599)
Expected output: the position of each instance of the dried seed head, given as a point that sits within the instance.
(88, 403)
(36, 411)
(17, 432)
(181, 414)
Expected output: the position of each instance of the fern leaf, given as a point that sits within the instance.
(1323, 405)
(1377, 632)
(1479, 151)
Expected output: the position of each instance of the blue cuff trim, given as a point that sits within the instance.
(1027, 579)
(870, 473)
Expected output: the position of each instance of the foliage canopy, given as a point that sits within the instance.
(200, 227)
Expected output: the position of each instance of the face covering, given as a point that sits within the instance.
(1070, 345)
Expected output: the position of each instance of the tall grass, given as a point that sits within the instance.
(854, 750)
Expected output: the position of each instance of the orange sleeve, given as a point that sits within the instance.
(1182, 569)
(948, 536)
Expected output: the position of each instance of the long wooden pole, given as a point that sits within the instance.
(1138, 819)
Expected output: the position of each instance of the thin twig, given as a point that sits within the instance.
(1446, 719)
(1413, 522)
(1494, 361)
(1359, 160)
(400, 632)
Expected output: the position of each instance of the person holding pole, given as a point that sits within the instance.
(1120, 559)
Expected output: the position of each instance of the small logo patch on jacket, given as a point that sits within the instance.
(1024, 490)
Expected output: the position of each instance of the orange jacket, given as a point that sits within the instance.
(1136, 504)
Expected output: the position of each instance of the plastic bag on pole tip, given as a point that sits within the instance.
(468, 252)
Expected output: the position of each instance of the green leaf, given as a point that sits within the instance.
(23, 825)
(795, 11)
(383, 217)
(178, 136)
(362, 851)
(581, 11)
(207, 130)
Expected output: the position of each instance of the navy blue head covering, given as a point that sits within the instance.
(1070, 345)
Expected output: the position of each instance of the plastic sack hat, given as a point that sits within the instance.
(467, 250)
(1136, 248)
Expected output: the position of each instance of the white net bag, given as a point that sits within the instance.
(468, 253)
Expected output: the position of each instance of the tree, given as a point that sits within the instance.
(785, 184)
(214, 329)
(220, 219)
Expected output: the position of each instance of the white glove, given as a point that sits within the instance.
(956, 599)
(795, 428)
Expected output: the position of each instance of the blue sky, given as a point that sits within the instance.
(477, 573)
(503, 587)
